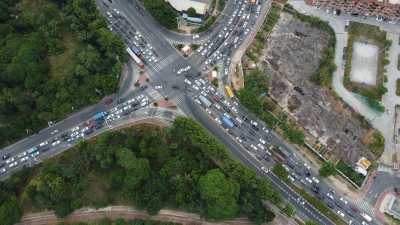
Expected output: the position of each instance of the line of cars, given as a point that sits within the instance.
(78, 132)
(132, 36)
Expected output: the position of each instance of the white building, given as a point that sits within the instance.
(201, 6)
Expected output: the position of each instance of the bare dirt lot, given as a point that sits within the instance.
(292, 55)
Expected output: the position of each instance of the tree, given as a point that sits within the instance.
(327, 169)
(10, 213)
(289, 210)
(191, 12)
(280, 172)
(220, 194)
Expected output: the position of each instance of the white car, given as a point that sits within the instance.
(196, 36)
(340, 213)
(2, 171)
(234, 109)
(301, 201)
(236, 103)
(10, 160)
(264, 169)
(219, 56)
(56, 143)
(211, 88)
(187, 68)
(260, 146)
(158, 87)
(330, 196)
(236, 40)
(221, 34)
(218, 120)
(207, 61)
(139, 35)
(116, 11)
(238, 139)
(35, 154)
(227, 103)
(262, 141)
(202, 81)
(265, 129)
(246, 31)
(139, 97)
(22, 154)
(43, 143)
(290, 178)
(315, 180)
(308, 180)
(74, 134)
(195, 87)
(253, 147)
(307, 166)
(208, 111)
(286, 168)
(54, 132)
(245, 24)
(180, 71)
(344, 201)
(254, 123)
(74, 129)
(188, 81)
(197, 82)
(198, 101)
(239, 120)
(364, 223)
(87, 128)
(200, 49)
(24, 159)
(347, 22)
(82, 135)
(13, 164)
(109, 14)
(217, 106)
(127, 107)
(227, 115)
(204, 52)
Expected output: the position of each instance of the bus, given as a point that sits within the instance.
(229, 92)
(204, 101)
(135, 58)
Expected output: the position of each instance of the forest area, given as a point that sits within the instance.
(55, 58)
(147, 167)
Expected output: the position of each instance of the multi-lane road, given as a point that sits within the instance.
(247, 140)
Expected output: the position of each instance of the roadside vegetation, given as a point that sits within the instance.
(252, 96)
(53, 58)
(162, 12)
(221, 5)
(324, 74)
(357, 178)
(207, 24)
(398, 62)
(377, 145)
(280, 172)
(327, 169)
(120, 221)
(398, 87)
(254, 50)
(148, 167)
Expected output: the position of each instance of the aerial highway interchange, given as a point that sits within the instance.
(182, 80)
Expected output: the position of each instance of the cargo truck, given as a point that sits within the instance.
(32, 150)
(204, 100)
(366, 217)
(100, 116)
(229, 92)
(135, 58)
(227, 122)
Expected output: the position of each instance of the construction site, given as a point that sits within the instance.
(291, 56)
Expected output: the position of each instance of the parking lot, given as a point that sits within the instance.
(292, 55)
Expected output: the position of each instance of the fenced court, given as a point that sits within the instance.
(364, 64)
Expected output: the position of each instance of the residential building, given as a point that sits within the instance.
(201, 6)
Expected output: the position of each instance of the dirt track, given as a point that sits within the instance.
(126, 212)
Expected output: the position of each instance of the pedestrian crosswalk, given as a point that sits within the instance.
(165, 62)
(176, 42)
(153, 94)
(364, 205)
(178, 99)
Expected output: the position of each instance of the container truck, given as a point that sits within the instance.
(136, 51)
(227, 121)
(100, 116)
(135, 58)
(32, 150)
(204, 100)
(366, 217)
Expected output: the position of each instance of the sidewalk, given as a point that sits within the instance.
(381, 205)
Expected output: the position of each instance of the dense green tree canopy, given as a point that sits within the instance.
(327, 169)
(191, 12)
(162, 12)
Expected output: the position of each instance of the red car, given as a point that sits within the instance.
(93, 125)
(109, 101)
(215, 98)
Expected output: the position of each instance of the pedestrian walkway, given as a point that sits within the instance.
(176, 42)
(154, 95)
(178, 99)
(165, 62)
(363, 204)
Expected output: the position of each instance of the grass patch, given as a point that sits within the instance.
(318, 205)
(221, 5)
(357, 178)
(377, 145)
(61, 64)
(207, 24)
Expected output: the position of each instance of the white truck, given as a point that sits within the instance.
(366, 217)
